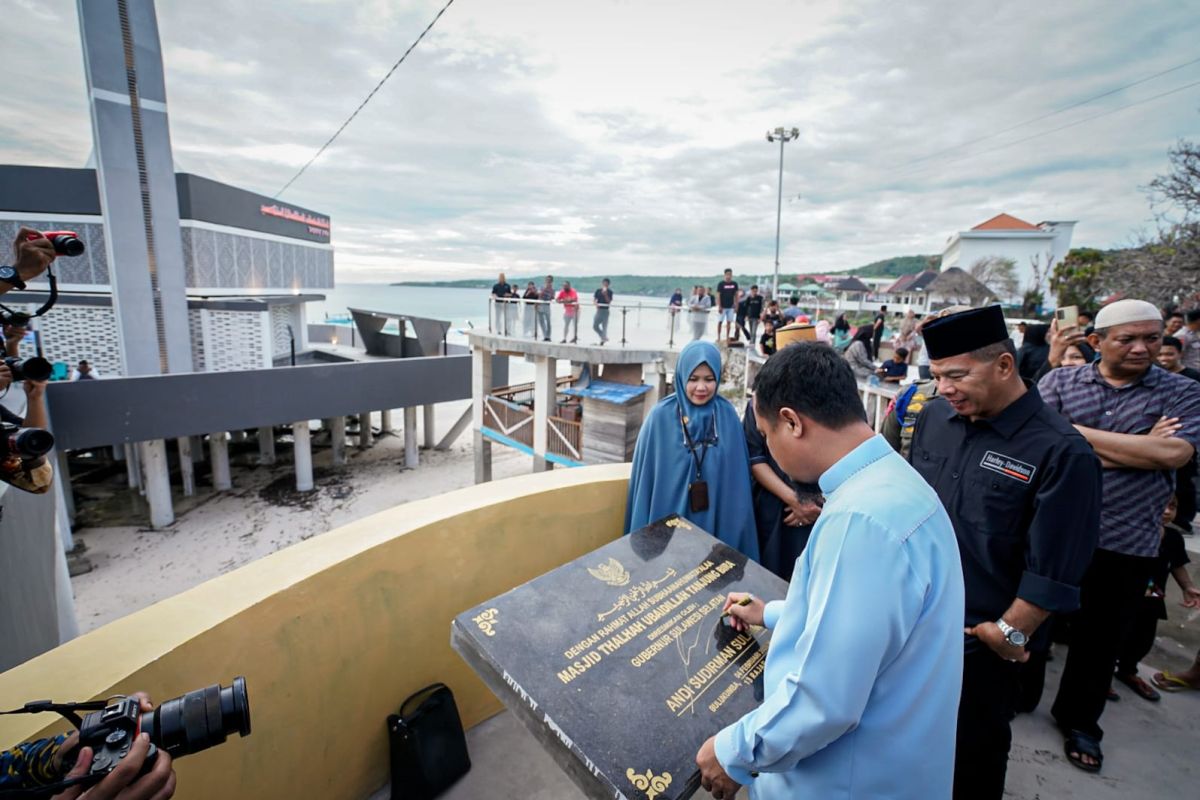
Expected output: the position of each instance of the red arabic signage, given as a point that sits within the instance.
(318, 226)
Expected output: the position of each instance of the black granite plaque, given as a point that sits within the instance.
(618, 661)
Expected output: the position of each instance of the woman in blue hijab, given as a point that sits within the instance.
(691, 457)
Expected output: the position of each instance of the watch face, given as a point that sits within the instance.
(7, 272)
(1017, 639)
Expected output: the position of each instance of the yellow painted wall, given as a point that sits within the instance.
(332, 633)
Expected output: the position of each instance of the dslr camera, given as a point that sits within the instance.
(196, 721)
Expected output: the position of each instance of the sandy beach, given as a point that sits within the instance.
(215, 532)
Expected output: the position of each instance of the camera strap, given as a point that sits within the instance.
(46, 306)
(66, 710)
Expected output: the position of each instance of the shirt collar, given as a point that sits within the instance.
(857, 459)
(1091, 374)
(1012, 417)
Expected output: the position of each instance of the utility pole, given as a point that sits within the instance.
(784, 136)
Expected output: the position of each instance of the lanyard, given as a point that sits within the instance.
(687, 437)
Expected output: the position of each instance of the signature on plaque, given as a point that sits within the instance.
(653, 785)
(611, 572)
(486, 620)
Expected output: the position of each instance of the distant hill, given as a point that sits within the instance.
(663, 285)
(897, 266)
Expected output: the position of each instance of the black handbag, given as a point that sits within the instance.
(427, 743)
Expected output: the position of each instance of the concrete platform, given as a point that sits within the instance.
(610, 353)
(1148, 753)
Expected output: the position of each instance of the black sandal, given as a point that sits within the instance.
(1080, 744)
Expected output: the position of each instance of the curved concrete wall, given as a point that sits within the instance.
(333, 633)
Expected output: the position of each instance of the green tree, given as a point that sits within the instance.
(1081, 279)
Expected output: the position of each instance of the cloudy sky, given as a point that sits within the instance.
(628, 137)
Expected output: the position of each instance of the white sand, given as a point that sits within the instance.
(135, 567)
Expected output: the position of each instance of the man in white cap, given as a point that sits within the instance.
(1115, 403)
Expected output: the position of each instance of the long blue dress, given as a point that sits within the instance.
(663, 467)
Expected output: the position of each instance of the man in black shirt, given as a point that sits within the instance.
(754, 310)
(602, 298)
(877, 334)
(500, 293)
(1170, 358)
(726, 302)
(1022, 489)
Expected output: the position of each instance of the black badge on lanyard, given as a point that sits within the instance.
(697, 489)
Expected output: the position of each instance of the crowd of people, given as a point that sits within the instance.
(1020, 496)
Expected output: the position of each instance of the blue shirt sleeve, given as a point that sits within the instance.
(863, 601)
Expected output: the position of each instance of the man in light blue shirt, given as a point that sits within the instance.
(864, 671)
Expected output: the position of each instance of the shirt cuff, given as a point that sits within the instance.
(757, 460)
(771, 613)
(726, 752)
(1048, 594)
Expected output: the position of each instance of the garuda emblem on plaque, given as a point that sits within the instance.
(611, 573)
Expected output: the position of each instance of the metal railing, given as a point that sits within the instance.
(534, 319)
(565, 438)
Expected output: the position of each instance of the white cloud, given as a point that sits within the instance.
(628, 137)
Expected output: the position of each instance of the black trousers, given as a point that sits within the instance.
(1110, 596)
(1140, 637)
(985, 714)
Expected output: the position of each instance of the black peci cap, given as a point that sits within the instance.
(964, 332)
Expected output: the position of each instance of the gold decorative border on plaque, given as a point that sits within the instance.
(653, 785)
(486, 620)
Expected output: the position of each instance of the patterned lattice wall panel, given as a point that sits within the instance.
(221, 260)
(196, 331)
(89, 268)
(235, 340)
(281, 340)
(73, 333)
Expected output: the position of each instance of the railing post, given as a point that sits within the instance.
(624, 313)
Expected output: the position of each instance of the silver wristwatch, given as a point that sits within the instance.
(1011, 635)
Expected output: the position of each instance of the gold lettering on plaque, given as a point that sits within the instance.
(485, 621)
(611, 573)
(653, 785)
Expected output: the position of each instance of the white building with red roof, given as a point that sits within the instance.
(1034, 248)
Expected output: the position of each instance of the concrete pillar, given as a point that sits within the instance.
(481, 384)
(266, 445)
(132, 467)
(62, 478)
(545, 392)
(366, 436)
(385, 422)
(411, 457)
(302, 438)
(218, 454)
(158, 482)
(118, 452)
(430, 437)
(199, 452)
(337, 439)
(187, 467)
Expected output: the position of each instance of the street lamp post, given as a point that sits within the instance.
(784, 136)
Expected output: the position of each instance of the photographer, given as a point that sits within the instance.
(31, 257)
(15, 327)
(40, 763)
(32, 474)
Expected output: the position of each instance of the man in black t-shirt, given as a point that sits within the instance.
(602, 298)
(500, 293)
(726, 304)
(754, 311)
(877, 335)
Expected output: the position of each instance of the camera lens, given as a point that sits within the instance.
(66, 245)
(33, 368)
(199, 720)
(31, 442)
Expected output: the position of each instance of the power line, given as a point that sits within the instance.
(363, 104)
(1049, 114)
(1070, 124)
